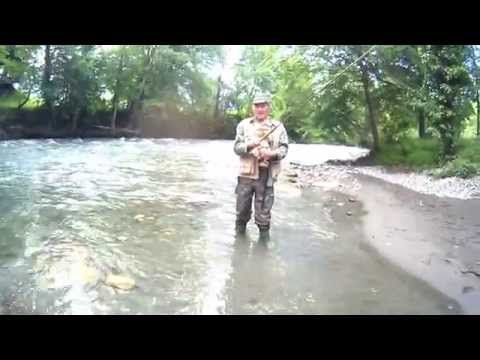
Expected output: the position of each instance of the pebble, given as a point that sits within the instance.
(449, 187)
(349, 213)
(139, 216)
(253, 301)
(120, 282)
(309, 298)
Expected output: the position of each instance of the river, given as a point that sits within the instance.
(161, 212)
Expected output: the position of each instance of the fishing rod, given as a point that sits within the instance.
(266, 135)
(346, 68)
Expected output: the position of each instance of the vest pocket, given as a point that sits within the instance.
(247, 167)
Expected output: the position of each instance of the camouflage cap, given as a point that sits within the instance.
(261, 99)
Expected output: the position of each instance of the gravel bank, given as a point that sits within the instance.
(450, 187)
(453, 187)
(434, 238)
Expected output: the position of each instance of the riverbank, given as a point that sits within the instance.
(18, 133)
(436, 239)
(154, 122)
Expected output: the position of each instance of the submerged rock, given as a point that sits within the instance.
(120, 282)
(89, 275)
(139, 217)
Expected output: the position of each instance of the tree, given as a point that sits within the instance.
(473, 64)
(168, 73)
(17, 69)
(450, 88)
(294, 83)
(255, 72)
(47, 89)
(361, 77)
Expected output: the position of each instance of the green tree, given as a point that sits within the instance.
(474, 68)
(450, 88)
(255, 72)
(17, 67)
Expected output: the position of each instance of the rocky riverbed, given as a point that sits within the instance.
(425, 226)
(421, 182)
(452, 187)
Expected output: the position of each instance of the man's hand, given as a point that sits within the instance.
(267, 154)
(252, 145)
(256, 152)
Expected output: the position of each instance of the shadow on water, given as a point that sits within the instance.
(253, 285)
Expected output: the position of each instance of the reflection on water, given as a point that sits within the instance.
(161, 212)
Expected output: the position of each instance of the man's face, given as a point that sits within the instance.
(261, 110)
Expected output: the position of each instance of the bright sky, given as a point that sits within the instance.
(232, 55)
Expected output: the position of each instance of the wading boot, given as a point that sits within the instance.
(240, 228)
(264, 233)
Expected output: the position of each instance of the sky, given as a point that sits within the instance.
(232, 55)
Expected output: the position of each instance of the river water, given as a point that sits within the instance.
(161, 213)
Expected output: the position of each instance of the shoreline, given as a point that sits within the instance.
(429, 237)
(450, 187)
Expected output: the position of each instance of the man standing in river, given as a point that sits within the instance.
(260, 164)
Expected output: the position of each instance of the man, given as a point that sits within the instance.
(260, 165)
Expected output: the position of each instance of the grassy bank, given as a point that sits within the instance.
(11, 102)
(422, 154)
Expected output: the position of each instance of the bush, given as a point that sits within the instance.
(469, 149)
(414, 153)
(423, 154)
(459, 167)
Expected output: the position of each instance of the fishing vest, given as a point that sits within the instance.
(249, 164)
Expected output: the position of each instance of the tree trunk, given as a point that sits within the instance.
(421, 123)
(75, 119)
(114, 115)
(130, 104)
(47, 73)
(138, 104)
(217, 98)
(371, 112)
(115, 95)
(478, 113)
(53, 118)
(22, 104)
